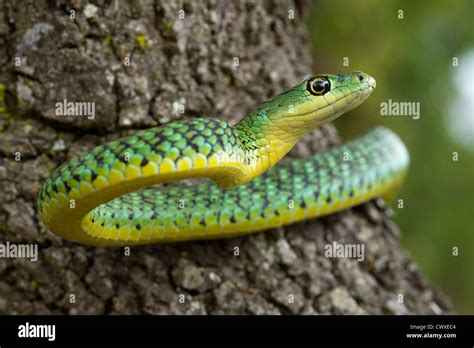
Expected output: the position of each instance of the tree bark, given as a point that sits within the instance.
(221, 60)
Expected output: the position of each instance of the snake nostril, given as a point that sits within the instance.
(361, 78)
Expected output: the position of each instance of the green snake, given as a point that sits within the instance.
(103, 197)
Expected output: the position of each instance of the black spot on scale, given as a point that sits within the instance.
(139, 227)
(93, 176)
(117, 225)
(144, 162)
(202, 222)
(329, 199)
(302, 204)
(232, 219)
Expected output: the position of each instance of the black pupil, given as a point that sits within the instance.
(319, 85)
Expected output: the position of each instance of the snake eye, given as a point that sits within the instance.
(318, 85)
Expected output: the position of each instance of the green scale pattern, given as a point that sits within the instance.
(175, 141)
(373, 160)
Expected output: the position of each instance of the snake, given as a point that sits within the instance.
(125, 193)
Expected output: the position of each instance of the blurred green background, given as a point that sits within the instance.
(412, 61)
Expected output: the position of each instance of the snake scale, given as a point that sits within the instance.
(103, 197)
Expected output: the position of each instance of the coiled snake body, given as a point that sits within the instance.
(103, 196)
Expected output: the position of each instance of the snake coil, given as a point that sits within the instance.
(103, 197)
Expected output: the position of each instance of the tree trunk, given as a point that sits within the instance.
(140, 62)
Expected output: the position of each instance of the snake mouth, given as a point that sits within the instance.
(307, 121)
(358, 97)
(372, 83)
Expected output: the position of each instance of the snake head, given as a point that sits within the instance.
(327, 96)
(317, 100)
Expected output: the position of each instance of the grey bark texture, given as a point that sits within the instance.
(173, 61)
